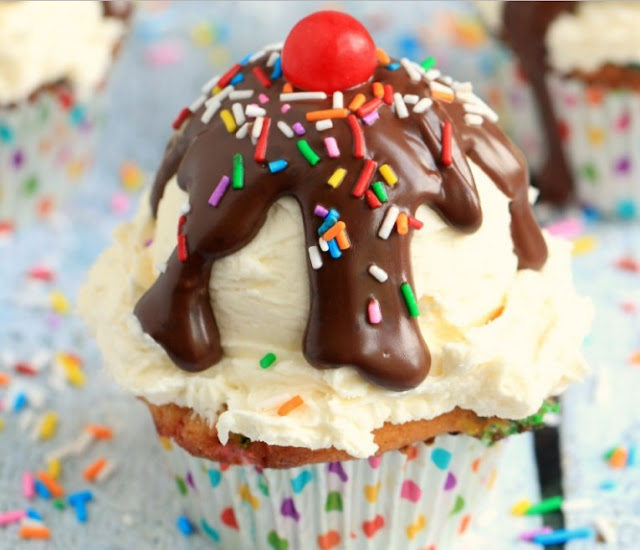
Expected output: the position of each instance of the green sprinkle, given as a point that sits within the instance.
(268, 360)
(237, 181)
(182, 486)
(428, 63)
(607, 456)
(410, 299)
(308, 152)
(545, 506)
(59, 504)
(380, 191)
(30, 186)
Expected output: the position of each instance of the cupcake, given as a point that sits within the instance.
(335, 300)
(582, 86)
(54, 57)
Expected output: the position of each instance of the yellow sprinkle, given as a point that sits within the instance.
(584, 245)
(229, 121)
(520, 507)
(388, 174)
(493, 476)
(131, 176)
(216, 90)
(245, 494)
(371, 492)
(595, 135)
(59, 302)
(202, 35)
(415, 528)
(48, 425)
(1, 424)
(337, 177)
(166, 443)
(54, 466)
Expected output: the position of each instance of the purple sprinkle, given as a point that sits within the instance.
(299, 129)
(623, 165)
(148, 243)
(285, 108)
(219, 191)
(451, 482)
(190, 480)
(17, 159)
(321, 211)
(336, 468)
(371, 118)
(263, 98)
(288, 509)
(528, 535)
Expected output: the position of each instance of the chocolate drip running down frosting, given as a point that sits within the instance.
(176, 310)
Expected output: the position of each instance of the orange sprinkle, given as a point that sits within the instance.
(402, 224)
(327, 113)
(91, 472)
(98, 431)
(464, 524)
(34, 532)
(54, 487)
(378, 89)
(634, 359)
(343, 240)
(442, 95)
(357, 102)
(618, 458)
(383, 57)
(475, 465)
(333, 231)
(4, 379)
(290, 405)
(287, 88)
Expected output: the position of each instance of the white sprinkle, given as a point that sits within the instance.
(197, 103)
(389, 221)
(606, 530)
(338, 100)
(81, 443)
(441, 88)
(302, 96)
(106, 471)
(161, 267)
(272, 59)
(185, 208)
(324, 245)
(243, 131)
(210, 85)
(463, 87)
(238, 114)
(422, 105)
(40, 359)
(413, 73)
(447, 80)
(35, 428)
(37, 397)
(285, 128)
(31, 523)
(411, 99)
(401, 108)
(432, 74)
(253, 110)
(473, 120)
(482, 110)
(274, 46)
(315, 257)
(257, 55)
(257, 127)
(240, 94)
(577, 504)
(211, 109)
(325, 124)
(378, 273)
(26, 419)
(224, 93)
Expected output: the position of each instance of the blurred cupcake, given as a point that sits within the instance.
(54, 57)
(584, 86)
(335, 297)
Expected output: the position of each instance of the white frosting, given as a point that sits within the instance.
(596, 34)
(503, 366)
(42, 42)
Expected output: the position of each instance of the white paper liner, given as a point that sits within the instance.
(46, 147)
(422, 498)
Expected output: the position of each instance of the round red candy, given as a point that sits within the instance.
(328, 51)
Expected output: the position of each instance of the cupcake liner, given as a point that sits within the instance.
(423, 497)
(47, 145)
(600, 128)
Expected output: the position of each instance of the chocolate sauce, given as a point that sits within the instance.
(176, 310)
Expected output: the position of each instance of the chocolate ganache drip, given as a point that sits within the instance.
(176, 310)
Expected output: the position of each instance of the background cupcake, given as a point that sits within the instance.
(54, 57)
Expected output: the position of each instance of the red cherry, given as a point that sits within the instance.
(328, 51)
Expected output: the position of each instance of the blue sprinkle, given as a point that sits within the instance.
(333, 212)
(185, 526)
(246, 59)
(277, 69)
(298, 483)
(34, 514)
(77, 115)
(608, 485)
(632, 456)
(393, 66)
(215, 477)
(441, 458)
(237, 79)
(328, 223)
(210, 531)
(81, 512)
(590, 214)
(80, 497)
(277, 165)
(6, 134)
(334, 249)
(42, 490)
(564, 535)
(626, 209)
(20, 402)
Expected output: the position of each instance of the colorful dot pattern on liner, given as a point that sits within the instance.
(46, 147)
(426, 496)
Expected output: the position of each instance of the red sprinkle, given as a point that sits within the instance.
(181, 222)
(369, 107)
(446, 143)
(182, 116)
(25, 368)
(374, 202)
(41, 273)
(358, 138)
(388, 94)
(415, 223)
(262, 77)
(261, 147)
(364, 179)
(183, 253)
(226, 77)
(628, 264)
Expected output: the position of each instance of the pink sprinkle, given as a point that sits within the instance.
(299, 129)
(28, 489)
(263, 98)
(528, 535)
(120, 203)
(219, 191)
(285, 108)
(568, 229)
(371, 118)
(332, 147)
(373, 309)
(166, 53)
(12, 516)
(320, 211)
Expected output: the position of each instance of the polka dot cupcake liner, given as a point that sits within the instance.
(424, 497)
(47, 145)
(600, 130)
